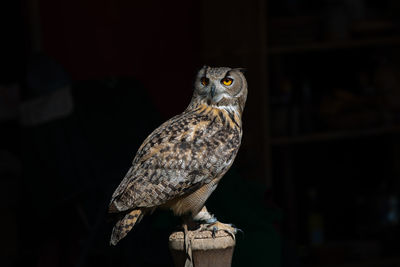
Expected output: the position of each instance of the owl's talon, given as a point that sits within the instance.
(214, 231)
(218, 226)
(237, 229)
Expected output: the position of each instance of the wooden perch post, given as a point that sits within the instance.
(205, 250)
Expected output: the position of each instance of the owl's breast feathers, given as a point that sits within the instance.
(186, 152)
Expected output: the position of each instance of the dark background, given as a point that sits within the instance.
(82, 83)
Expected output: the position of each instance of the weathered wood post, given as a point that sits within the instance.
(206, 250)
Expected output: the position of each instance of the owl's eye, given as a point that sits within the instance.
(204, 81)
(227, 81)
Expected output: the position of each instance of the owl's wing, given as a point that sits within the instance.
(174, 160)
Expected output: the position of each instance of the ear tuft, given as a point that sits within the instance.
(242, 70)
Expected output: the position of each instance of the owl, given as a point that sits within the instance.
(181, 163)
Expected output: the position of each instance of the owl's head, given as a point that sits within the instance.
(220, 87)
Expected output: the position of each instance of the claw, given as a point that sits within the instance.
(239, 231)
(218, 226)
(231, 234)
(214, 231)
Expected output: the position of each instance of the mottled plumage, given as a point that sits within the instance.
(180, 164)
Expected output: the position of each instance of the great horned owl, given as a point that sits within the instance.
(181, 163)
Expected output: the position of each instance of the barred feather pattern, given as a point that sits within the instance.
(179, 157)
(124, 225)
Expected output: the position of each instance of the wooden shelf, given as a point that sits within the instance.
(342, 44)
(327, 136)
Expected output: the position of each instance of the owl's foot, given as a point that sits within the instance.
(218, 226)
(208, 222)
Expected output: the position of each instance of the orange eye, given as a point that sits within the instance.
(204, 81)
(227, 81)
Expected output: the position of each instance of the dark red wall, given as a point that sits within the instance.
(154, 41)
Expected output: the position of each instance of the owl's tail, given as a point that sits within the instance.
(124, 225)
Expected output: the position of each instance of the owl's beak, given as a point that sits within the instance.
(212, 91)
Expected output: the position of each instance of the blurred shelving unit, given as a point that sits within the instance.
(332, 45)
(333, 135)
(333, 87)
(322, 116)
